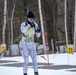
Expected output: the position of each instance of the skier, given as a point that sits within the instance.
(27, 46)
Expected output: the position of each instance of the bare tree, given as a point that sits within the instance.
(65, 23)
(42, 28)
(12, 20)
(75, 28)
(4, 26)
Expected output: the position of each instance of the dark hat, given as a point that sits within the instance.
(30, 15)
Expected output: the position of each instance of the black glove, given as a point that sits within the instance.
(31, 24)
(37, 30)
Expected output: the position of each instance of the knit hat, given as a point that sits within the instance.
(30, 15)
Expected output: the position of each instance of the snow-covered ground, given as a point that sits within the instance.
(56, 59)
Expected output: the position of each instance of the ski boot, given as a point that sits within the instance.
(25, 73)
(36, 73)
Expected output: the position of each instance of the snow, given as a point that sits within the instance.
(56, 59)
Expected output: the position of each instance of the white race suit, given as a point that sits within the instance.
(27, 45)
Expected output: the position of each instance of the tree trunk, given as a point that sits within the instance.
(4, 26)
(42, 28)
(12, 21)
(75, 28)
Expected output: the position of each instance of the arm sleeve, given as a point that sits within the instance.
(24, 27)
(37, 33)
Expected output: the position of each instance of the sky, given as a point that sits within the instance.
(58, 65)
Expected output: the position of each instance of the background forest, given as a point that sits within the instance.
(53, 12)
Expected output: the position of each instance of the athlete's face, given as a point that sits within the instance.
(30, 19)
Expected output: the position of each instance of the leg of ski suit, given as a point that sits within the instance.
(28, 48)
(32, 52)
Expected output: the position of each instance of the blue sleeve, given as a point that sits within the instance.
(37, 30)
